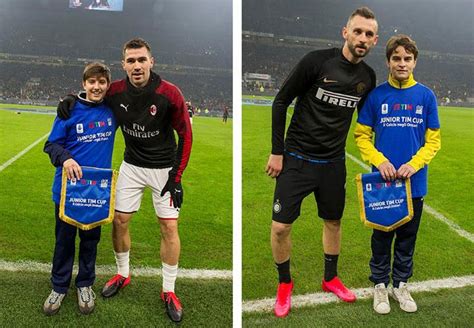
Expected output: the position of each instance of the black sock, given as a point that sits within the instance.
(330, 266)
(284, 272)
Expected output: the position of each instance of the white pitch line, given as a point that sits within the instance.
(30, 111)
(31, 266)
(266, 305)
(23, 152)
(453, 226)
(358, 161)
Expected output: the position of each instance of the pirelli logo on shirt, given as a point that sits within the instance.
(337, 99)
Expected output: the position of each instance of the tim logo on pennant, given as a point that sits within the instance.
(88, 182)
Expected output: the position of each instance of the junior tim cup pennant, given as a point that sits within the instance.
(384, 205)
(88, 202)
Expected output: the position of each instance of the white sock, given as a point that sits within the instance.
(123, 263)
(169, 272)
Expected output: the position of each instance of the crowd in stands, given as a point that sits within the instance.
(449, 76)
(44, 46)
(47, 83)
(277, 34)
(49, 42)
(324, 19)
(176, 34)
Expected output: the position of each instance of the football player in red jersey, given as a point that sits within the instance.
(148, 110)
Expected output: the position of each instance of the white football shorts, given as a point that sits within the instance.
(131, 183)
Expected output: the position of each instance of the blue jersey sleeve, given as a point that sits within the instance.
(432, 119)
(54, 146)
(366, 115)
(58, 132)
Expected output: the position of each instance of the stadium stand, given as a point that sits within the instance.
(42, 55)
(450, 76)
(273, 43)
(324, 18)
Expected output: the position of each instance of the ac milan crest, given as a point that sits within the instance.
(153, 110)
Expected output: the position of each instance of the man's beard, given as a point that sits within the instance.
(352, 49)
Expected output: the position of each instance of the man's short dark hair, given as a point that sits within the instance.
(363, 12)
(136, 43)
(96, 69)
(401, 40)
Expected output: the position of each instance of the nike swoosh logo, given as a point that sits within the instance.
(328, 81)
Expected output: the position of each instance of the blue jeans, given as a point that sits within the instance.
(404, 248)
(64, 252)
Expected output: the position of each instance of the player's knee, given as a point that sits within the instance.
(281, 230)
(333, 225)
(169, 229)
(121, 220)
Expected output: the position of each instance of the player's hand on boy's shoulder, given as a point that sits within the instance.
(73, 169)
(274, 165)
(65, 106)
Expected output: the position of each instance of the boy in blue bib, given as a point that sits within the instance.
(403, 115)
(85, 139)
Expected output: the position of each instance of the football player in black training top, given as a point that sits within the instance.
(328, 86)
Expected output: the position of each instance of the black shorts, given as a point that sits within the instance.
(299, 178)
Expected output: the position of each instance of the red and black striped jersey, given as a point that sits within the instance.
(147, 117)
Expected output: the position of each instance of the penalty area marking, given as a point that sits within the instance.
(21, 153)
(453, 226)
(31, 266)
(297, 301)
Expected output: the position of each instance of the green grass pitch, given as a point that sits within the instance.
(440, 252)
(444, 308)
(27, 229)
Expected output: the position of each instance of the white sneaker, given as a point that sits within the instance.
(402, 295)
(381, 303)
(85, 299)
(53, 303)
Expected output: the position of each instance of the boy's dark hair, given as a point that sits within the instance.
(136, 43)
(96, 69)
(401, 40)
